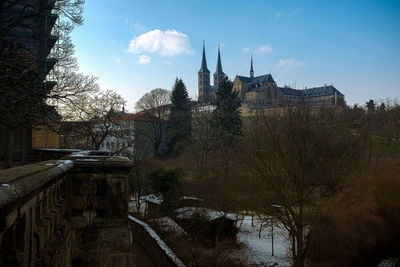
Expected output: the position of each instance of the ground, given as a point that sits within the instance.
(258, 250)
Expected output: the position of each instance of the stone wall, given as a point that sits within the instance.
(46, 137)
(99, 210)
(33, 205)
(161, 254)
(70, 212)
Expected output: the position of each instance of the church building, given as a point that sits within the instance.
(260, 92)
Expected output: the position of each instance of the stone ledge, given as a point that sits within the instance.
(100, 160)
(16, 183)
(161, 254)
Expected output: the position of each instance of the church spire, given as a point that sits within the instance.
(219, 74)
(204, 79)
(203, 67)
(219, 65)
(251, 67)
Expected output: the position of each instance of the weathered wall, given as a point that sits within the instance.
(99, 212)
(44, 137)
(33, 230)
(161, 254)
(65, 213)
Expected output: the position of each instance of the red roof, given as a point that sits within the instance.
(140, 116)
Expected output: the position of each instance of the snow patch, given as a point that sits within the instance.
(169, 225)
(388, 263)
(159, 241)
(188, 212)
(258, 251)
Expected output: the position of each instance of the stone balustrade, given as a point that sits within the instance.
(32, 208)
(161, 254)
(70, 212)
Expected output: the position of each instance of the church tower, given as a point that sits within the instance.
(219, 74)
(251, 67)
(204, 79)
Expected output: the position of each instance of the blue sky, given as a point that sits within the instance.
(136, 46)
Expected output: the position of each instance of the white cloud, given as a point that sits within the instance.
(144, 59)
(264, 49)
(118, 60)
(167, 43)
(168, 62)
(289, 63)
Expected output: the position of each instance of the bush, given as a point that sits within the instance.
(360, 226)
(167, 184)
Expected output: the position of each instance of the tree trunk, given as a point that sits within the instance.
(299, 237)
(138, 197)
(299, 249)
(293, 248)
(260, 229)
(388, 145)
(8, 155)
(272, 236)
(24, 145)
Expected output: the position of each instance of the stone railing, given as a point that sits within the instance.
(66, 212)
(32, 207)
(145, 236)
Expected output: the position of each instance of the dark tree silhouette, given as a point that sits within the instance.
(155, 105)
(226, 116)
(179, 120)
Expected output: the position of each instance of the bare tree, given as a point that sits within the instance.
(390, 118)
(72, 10)
(98, 116)
(156, 105)
(70, 83)
(23, 39)
(292, 153)
(202, 140)
(138, 185)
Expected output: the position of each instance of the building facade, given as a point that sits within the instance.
(25, 27)
(132, 136)
(206, 91)
(261, 92)
(29, 23)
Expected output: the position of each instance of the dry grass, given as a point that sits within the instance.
(194, 253)
(360, 226)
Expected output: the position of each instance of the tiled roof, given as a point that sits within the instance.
(214, 88)
(258, 79)
(263, 79)
(140, 116)
(290, 91)
(244, 79)
(311, 92)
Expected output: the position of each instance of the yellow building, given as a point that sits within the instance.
(46, 136)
